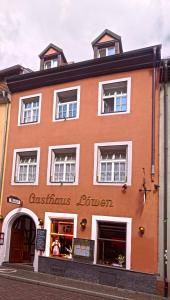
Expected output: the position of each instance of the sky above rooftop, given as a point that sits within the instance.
(28, 26)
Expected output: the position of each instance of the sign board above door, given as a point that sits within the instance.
(14, 200)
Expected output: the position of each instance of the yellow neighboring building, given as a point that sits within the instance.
(4, 117)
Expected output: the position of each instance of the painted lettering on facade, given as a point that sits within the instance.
(88, 201)
(83, 201)
(49, 199)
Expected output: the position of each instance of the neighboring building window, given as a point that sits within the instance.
(48, 64)
(106, 51)
(114, 97)
(25, 166)
(63, 162)
(66, 104)
(62, 232)
(111, 243)
(30, 109)
(113, 163)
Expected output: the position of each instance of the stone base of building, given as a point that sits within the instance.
(160, 287)
(115, 277)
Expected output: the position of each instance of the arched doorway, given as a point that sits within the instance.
(22, 244)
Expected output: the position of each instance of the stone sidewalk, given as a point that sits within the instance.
(66, 284)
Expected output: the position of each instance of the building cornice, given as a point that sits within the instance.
(124, 62)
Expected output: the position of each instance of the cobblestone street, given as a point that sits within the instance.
(20, 284)
(15, 290)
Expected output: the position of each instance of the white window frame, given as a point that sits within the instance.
(52, 61)
(129, 162)
(50, 149)
(14, 165)
(107, 51)
(47, 225)
(100, 96)
(21, 100)
(55, 103)
(94, 234)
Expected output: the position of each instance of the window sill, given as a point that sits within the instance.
(65, 119)
(111, 183)
(113, 113)
(62, 183)
(30, 123)
(24, 183)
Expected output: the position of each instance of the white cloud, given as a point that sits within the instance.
(27, 27)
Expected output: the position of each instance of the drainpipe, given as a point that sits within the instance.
(165, 254)
(153, 115)
(3, 150)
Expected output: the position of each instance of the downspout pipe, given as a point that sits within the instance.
(165, 217)
(153, 114)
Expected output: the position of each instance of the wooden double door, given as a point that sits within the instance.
(22, 246)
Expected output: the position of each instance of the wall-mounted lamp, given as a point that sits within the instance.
(41, 222)
(156, 187)
(141, 230)
(83, 223)
(124, 188)
(1, 218)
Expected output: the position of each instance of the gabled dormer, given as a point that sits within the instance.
(51, 57)
(106, 44)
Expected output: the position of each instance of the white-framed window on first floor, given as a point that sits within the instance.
(63, 164)
(112, 237)
(112, 163)
(25, 170)
(61, 229)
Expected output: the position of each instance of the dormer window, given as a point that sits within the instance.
(106, 44)
(106, 51)
(53, 63)
(52, 57)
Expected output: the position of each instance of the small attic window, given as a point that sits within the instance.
(106, 51)
(52, 63)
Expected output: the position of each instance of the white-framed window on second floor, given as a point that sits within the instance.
(112, 163)
(29, 109)
(114, 96)
(63, 164)
(66, 104)
(51, 63)
(26, 166)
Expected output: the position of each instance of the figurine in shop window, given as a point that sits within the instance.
(56, 247)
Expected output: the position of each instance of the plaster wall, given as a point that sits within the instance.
(161, 193)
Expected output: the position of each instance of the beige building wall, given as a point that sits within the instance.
(161, 192)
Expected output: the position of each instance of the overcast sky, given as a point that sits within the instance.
(28, 26)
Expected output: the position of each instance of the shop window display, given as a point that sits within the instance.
(112, 244)
(61, 238)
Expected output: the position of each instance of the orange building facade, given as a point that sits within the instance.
(82, 162)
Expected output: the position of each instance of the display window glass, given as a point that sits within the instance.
(61, 238)
(112, 244)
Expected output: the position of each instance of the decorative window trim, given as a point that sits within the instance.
(50, 149)
(55, 104)
(20, 109)
(128, 221)
(129, 162)
(14, 166)
(128, 79)
(47, 226)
